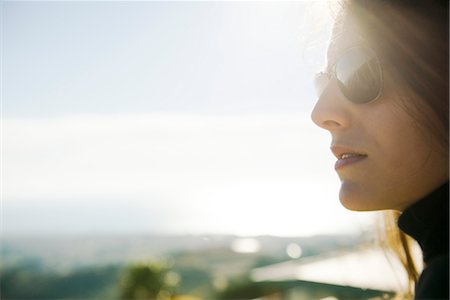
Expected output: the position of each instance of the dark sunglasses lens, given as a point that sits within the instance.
(358, 73)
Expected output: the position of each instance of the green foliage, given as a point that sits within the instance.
(148, 281)
(244, 288)
(20, 283)
(195, 282)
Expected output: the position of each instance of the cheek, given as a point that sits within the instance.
(405, 166)
(402, 148)
(397, 155)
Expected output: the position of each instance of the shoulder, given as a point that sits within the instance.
(434, 280)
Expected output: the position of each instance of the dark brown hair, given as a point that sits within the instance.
(411, 38)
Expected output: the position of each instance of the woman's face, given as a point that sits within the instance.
(397, 162)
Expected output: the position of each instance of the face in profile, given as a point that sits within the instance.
(385, 160)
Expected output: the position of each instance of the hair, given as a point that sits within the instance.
(393, 240)
(411, 38)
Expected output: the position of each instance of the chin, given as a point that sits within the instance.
(356, 198)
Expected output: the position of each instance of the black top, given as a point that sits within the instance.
(427, 222)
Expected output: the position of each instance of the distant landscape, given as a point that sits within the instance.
(100, 267)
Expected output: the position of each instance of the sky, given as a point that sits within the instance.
(166, 117)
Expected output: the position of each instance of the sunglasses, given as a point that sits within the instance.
(358, 75)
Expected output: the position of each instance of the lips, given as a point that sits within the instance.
(347, 156)
(350, 155)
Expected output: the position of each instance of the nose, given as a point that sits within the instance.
(331, 111)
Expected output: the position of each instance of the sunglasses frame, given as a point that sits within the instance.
(332, 75)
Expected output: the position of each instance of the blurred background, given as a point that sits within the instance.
(157, 150)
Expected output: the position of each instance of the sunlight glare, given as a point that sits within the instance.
(245, 245)
(293, 250)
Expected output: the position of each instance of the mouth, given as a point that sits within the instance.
(350, 155)
(346, 156)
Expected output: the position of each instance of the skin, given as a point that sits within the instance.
(403, 163)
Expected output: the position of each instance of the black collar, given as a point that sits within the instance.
(427, 222)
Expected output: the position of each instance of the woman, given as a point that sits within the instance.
(384, 99)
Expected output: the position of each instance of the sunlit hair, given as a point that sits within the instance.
(411, 39)
(393, 240)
